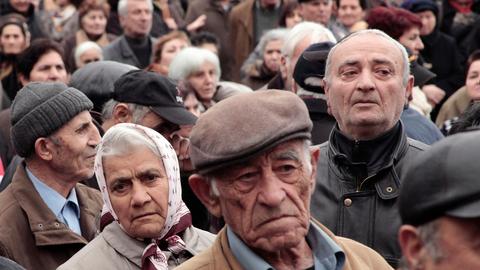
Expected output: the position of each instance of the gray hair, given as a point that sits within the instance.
(122, 6)
(138, 111)
(189, 61)
(121, 140)
(428, 234)
(400, 47)
(316, 32)
(307, 158)
(271, 35)
(85, 46)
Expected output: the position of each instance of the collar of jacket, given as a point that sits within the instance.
(432, 38)
(132, 248)
(47, 230)
(388, 187)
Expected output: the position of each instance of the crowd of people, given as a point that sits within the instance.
(239, 134)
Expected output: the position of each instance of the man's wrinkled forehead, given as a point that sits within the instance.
(355, 47)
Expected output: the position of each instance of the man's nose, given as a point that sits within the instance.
(271, 190)
(365, 81)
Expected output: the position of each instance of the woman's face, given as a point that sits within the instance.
(411, 39)
(429, 21)
(137, 186)
(272, 55)
(204, 81)
(191, 104)
(12, 40)
(294, 19)
(472, 81)
(170, 49)
(94, 23)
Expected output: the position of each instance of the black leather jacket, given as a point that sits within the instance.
(361, 204)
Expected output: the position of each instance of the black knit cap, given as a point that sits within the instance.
(443, 181)
(39, 109)
(416, 6)
(311, 65)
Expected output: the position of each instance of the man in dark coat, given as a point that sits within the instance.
(367, 84)
(45, 215)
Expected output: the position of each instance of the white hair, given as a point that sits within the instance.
(316, 32)
(122, 140)
(190, 60)
(122, 6)
(271, 35)
(400, 47)
(83, 47)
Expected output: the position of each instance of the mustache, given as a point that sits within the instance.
(365, 99)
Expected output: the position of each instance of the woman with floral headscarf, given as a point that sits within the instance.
(138, 174)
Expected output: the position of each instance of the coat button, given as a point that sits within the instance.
(389, 189)
(347, 202)
(57, 224)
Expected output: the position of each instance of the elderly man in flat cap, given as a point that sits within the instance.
(256, 170)
(45, 215)
(440, 206)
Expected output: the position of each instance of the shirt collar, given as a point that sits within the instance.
(327, 254)
(52, 198)
(247, 258)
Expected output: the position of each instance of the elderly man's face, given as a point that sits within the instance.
(73, 148)
(138, 189)
(265, 201)
(318, 11)
(365, 90)
(138, 20)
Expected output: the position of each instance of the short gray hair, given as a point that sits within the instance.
(138, 111)
(85, 46)
(429, 235)
(122, 6)
(317, 33)
(190, 60)
(400, 47)
(121, 140)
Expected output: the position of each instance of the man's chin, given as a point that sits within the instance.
(277, 242)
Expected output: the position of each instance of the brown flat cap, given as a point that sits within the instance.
(244, 125)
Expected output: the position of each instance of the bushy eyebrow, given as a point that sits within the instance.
(376, 61)
(287, 155)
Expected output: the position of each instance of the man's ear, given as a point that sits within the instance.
(121, 114)
(409, 88)
(326, 88)
(23, 80)
(314, 157)
(202, 188)
(413, 248)
(44, 148)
